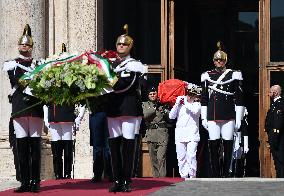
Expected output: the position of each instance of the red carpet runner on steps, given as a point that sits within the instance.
(141, 186)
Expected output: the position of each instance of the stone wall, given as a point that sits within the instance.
(73, 22)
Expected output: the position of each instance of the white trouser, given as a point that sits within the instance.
(126, 126)
(61, 131)
(224, 129)
(186, 156)
(28, 126)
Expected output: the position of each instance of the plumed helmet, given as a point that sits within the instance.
(26, 38)
(125, 38)
(220, 54)
(63, 48)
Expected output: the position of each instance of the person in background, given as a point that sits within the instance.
(155, 115)
(187, 112)
(274, 126)
(124, 114)
(27, 116)
(221, 110)
(99, 139)
(60, 119)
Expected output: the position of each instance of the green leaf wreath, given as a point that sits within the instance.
(69, 82)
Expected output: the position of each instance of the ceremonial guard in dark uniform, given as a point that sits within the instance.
(222, 110)
(27, 116)
(124, 115)
(60, 121)
(274, 127)
(155, 115)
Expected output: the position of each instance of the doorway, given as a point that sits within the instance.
(198, 26)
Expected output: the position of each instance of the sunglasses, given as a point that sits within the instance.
(123, 44)
(221, 60)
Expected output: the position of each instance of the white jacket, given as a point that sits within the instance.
(187, 126)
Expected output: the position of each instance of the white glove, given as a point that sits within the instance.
(179, 100)
(204, 117)
(239, 116)
(78, 121)
(45, 116)
(246, 148)
(10, 65)
(205, 124)
(237, 141)
(80, 116)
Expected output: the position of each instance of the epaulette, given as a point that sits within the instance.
(10, 60)
(204, 76)
(211, 71)
(237, 74)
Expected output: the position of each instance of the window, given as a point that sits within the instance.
(277, 31)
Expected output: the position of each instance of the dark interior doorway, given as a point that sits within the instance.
(144, 21)
(199, 24)
(198, 27)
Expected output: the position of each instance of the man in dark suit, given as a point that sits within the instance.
(274, 127)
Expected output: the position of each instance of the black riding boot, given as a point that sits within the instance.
(214, 149)
(128, 150)
(35, 144)
(228, 150)
(57, 152)
(98, 165)
(116, 161)
(68, 158)
(136, 168)
(23, 156)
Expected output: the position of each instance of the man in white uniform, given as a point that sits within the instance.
(187, 112)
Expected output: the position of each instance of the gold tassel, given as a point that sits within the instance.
(125, 28)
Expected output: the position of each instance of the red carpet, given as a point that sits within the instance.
(141, 186)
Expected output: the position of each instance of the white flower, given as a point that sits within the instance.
(84, 60)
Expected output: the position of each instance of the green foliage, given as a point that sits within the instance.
(68, 83)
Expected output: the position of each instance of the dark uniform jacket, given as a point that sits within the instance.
(126, 99)
(274, 122)
(155, 116)
(21, 101)
(221, 97)
(61, 113)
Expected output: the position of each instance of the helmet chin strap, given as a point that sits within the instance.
(223, 68)
(26, 53)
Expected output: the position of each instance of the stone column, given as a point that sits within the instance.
(14, 14)
(74, 22)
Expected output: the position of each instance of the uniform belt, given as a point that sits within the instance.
(157, 125)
